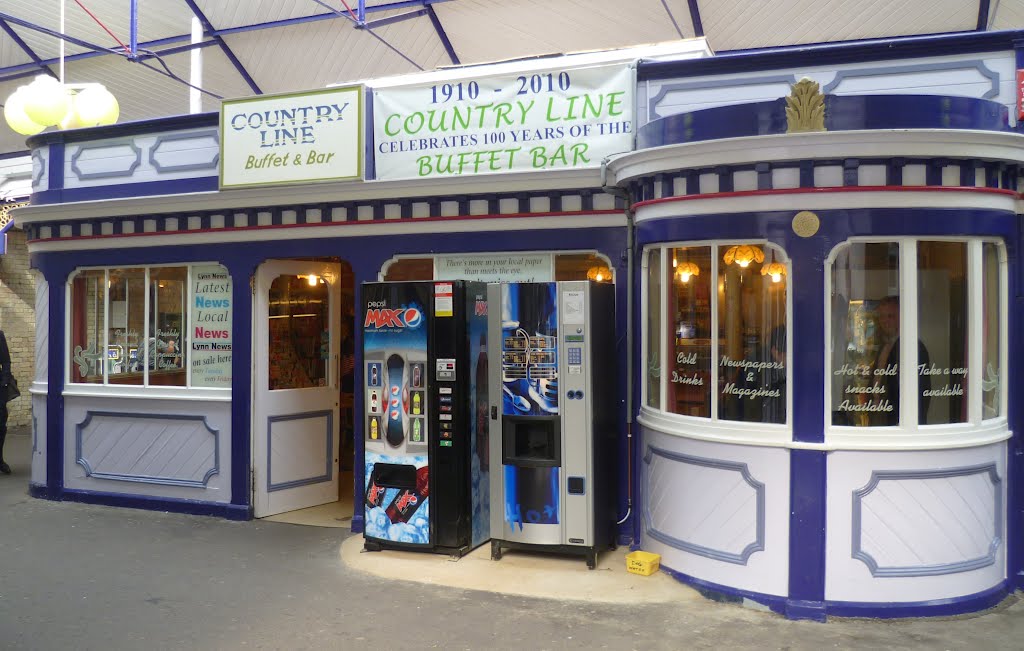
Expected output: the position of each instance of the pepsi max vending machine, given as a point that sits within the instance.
(553, 425)
(425, 421)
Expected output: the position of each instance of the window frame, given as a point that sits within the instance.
(909, 434)
(106, 388)
(713, 427)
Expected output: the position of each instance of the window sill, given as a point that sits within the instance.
(127, 391)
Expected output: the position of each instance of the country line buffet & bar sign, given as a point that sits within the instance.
(292, 138)
(525, 121)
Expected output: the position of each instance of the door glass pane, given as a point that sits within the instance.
(942, 332)
(689, 345)
(299, 332)
(752, 338)
(865, 321)
(127, 294)
(87, 312)
(992, 291)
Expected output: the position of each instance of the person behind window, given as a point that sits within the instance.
(886, 368)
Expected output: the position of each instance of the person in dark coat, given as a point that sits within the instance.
(887, 365)
(5, 381)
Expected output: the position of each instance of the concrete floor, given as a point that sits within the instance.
(89, 577)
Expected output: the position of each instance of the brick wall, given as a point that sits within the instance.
(18, 321)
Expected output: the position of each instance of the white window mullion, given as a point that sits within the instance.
(1004, 330)
(909, 400)
(106, 323)
(668, 275)
(975, 329)
(186, 323)
(713, 303)
(145, 328)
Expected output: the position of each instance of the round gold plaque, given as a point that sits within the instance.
(806, 223)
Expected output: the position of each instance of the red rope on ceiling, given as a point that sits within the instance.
(100, 23)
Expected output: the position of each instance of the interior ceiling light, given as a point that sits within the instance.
(776, 270)
(686, 270)
(600, 274)
(743, 255)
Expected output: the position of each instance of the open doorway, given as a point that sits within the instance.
(303, 363)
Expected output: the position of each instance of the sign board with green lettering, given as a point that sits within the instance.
(292, 138)
(556, 119)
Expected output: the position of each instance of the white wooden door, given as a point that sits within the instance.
(296, 332)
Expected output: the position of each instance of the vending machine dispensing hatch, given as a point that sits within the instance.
(552, 415)
(425, 446)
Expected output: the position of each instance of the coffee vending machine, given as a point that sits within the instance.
(425, 416)
(552, 410)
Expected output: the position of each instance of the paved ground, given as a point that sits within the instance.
(81, 577)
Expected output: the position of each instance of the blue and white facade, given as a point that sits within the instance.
(812, 506)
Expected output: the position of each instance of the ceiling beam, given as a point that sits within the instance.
(983, 9)
(698, 27)
(54, 33)
(38, 63)
(224, 47)
(441, 34)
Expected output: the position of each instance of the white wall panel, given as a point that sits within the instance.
(717, 512)
(915, 526)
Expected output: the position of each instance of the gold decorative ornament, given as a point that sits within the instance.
(776, 270)
(743, 255)
(5, 212)
(805, 107)
(806, 223)
(686, 270)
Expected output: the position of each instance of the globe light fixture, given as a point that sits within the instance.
(743, 255)
(776, 270)
(687, 270)
(17, 119)
(47, 102)
(599, 274)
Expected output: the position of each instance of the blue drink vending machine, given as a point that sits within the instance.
(425, 416)
(553, 417)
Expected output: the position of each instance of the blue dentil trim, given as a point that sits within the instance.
(827, 54)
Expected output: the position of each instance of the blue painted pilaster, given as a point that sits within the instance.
(241, 383)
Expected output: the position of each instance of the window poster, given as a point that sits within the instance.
(210, 326)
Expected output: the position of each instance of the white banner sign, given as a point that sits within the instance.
(295, 138)
(556, 119)
(210, 327)
(495, 267)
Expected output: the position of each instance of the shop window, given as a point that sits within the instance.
(133, 326)
(725, 357)
(653, 339)
(873, 316)
(991, 331)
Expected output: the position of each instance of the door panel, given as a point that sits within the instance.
(295, 427)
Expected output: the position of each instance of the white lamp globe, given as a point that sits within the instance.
(14, 113)
(46, 102)
(71, 120)
(96, 106)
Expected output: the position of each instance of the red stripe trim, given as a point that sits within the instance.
(365, 222)
(836, 190)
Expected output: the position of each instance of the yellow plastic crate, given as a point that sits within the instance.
(642, 563)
